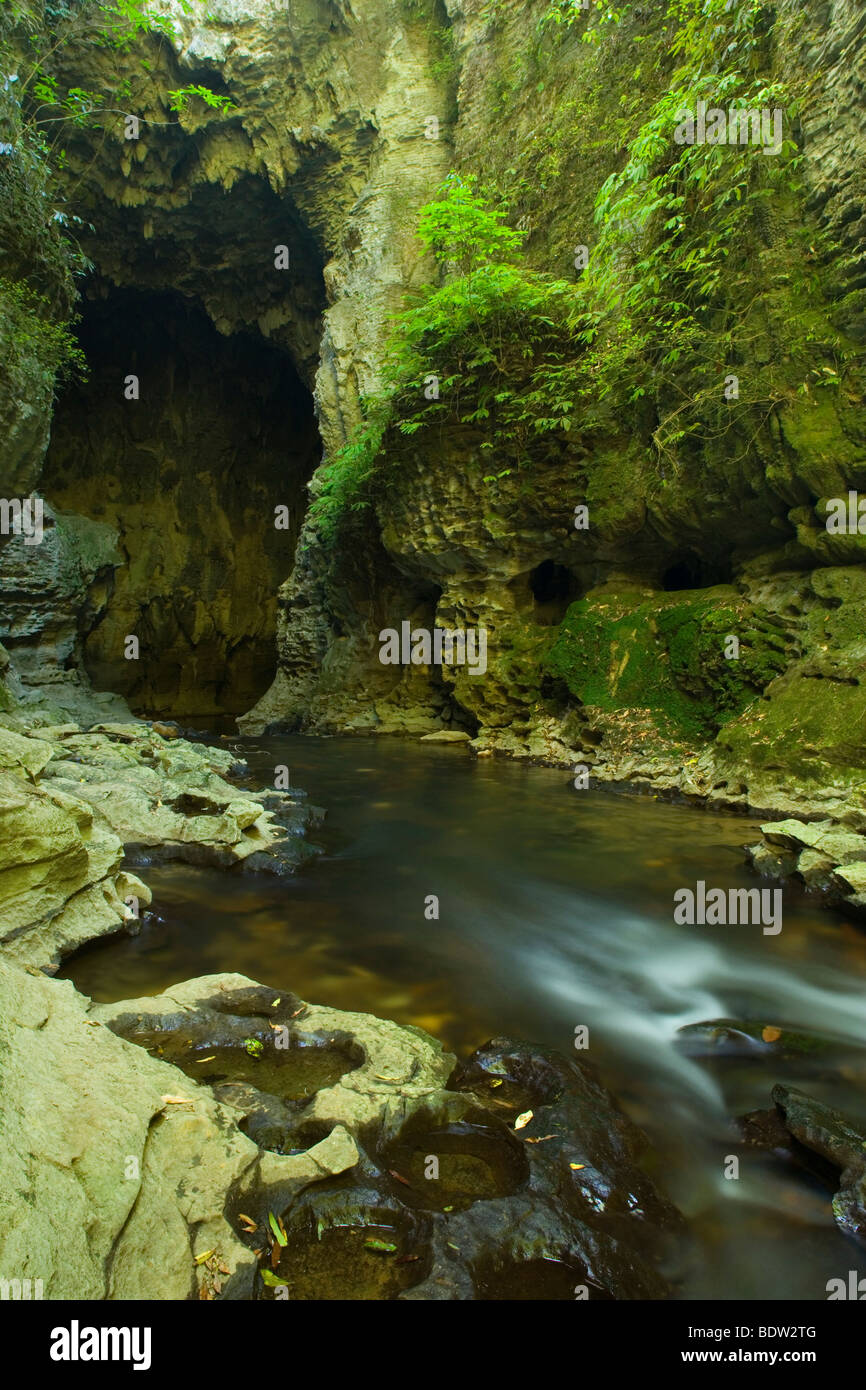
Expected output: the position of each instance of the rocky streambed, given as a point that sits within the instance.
(225, 1138)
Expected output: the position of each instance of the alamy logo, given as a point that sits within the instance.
(737, 907)
(20, 1288)
(76, 1343)
(19, 518)
(423, 648)
(855, 1289)
(739, 125)
(846, 517)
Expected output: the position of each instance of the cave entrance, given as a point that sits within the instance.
(186, 442)
(553, 588)
(688, 570)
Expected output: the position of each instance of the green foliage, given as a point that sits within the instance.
(179, 99)
(566, 13)
(492, 333)
(342, 481)
(36, 353)
(704, 261)
(39, 252)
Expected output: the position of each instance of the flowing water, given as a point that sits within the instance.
(555, 911)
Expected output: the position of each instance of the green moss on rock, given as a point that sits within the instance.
(667, 655)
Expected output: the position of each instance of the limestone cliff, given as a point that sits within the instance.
(273, 236)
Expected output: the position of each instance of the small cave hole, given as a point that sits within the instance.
(553, 588)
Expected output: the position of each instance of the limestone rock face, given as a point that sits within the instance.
(601, 650)
(283, 234)
(51, 592)
(61, 881)
(73, 806)
(117, 1169)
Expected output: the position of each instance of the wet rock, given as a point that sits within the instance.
(850, 882)
(116, 1170)
(824, 854)
(61, 881)
(838, 1139)
(448, 1198)
(73, 804)
(751, 1038)
(157, 1156)
(168, 799)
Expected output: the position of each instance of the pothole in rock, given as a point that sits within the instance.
(522, 1280)
(241, 1072)
(371, 1254)
(449, 1168)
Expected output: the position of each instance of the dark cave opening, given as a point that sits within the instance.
(554, 587)
(186, 443)
(688, 570)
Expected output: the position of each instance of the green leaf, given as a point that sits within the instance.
(276, 1226)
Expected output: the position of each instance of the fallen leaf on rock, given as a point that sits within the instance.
(211, 1058)
(276, 1254)
(399, 1176)
(771, 1034)
(384, 1245)
(248, 1222)
(200, 1259)
(223, 1269)
(406, 1259)
(176, 1100)
(497, 1081)
(273, 1281)
(540, 1139)
(575, 1166)
(523, 1120)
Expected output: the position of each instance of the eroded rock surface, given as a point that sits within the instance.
(76, 808)
(517, 1168)
(116, 1170)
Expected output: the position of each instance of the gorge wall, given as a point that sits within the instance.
(605, 644)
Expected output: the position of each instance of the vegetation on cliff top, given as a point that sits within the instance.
(39, 254)
(704, 262)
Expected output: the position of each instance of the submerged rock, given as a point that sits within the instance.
(752, 1038)
(838, 1140)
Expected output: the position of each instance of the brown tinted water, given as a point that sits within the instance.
(555, 911)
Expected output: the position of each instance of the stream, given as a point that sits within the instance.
(555, 911)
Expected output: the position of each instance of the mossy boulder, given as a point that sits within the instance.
(670, 654)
